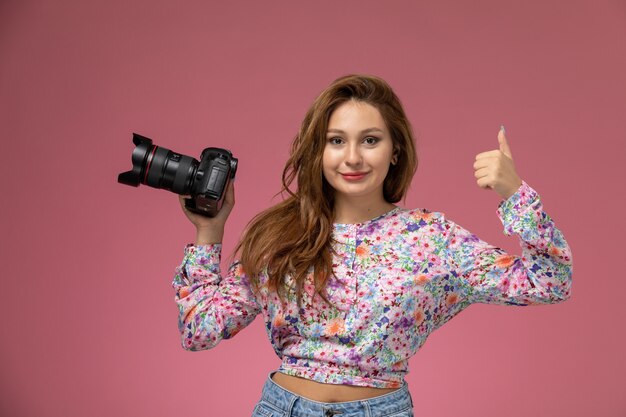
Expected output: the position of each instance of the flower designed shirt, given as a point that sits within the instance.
(397, 278)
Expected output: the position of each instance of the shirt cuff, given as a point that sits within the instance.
(201, 260)
(524, 202)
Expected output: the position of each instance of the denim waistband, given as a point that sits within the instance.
(289, 404)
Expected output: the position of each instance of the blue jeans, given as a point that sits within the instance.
(278, 402)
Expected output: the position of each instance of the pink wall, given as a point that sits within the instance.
(88, 318)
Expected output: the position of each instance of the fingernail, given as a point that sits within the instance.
(502, 129)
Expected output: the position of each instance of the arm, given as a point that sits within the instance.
(487, 274)
(211, 308)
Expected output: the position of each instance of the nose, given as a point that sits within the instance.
(353, 155)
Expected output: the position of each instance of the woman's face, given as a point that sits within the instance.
(358, 152)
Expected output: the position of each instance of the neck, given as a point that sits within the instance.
(359, 210)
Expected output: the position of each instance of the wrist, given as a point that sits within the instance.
(512, 190)
(209, 236)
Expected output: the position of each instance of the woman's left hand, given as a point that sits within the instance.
(495, 169)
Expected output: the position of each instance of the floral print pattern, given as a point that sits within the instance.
(397, 278)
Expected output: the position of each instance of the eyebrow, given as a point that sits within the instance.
(368, 130)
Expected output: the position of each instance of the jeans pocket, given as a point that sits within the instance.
(406, 413)
(265, 409)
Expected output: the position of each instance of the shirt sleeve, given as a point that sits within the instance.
(211, 308)
(487, 274)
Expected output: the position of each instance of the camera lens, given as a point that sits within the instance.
(159, 167)
(171, 171)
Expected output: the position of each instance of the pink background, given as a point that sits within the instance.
(88, 318)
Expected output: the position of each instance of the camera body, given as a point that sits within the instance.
(205, 181)
(215, 170)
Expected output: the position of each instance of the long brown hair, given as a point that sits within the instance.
(295, 235)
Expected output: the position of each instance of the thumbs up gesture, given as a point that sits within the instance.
(495, 170)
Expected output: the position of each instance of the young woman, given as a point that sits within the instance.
(349, 284)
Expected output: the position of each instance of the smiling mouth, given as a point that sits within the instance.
(354, 176)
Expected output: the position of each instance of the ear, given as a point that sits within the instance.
(394, 157)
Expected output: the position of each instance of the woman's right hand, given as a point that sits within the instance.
(211, 229)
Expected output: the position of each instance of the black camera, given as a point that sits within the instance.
(205, 180)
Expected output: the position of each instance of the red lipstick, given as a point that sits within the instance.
(354, 176)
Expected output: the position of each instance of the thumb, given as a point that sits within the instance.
(504, 144)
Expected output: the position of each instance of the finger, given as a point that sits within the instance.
(488, 154)
(481, 173)
(484, 182)
(504, 144)
(229, 197)
(483, 163)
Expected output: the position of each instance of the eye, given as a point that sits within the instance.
(371, 140)
(335, 140)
